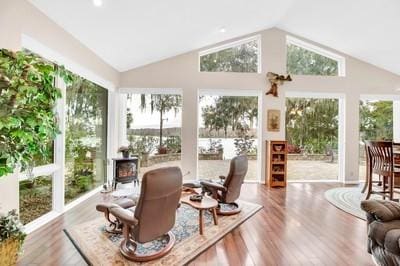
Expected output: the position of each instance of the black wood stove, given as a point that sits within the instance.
(125, 171)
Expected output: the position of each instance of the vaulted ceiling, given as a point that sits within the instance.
(131, 33)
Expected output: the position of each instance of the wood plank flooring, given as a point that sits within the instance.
(297, 226)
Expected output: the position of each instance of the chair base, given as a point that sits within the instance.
(231, 212)
(128, 250)
(115, 227)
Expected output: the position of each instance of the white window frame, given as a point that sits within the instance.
(122, 103)
(341, 60)
(57, 168)
(341, 128)
(240, 93)
(232, 45)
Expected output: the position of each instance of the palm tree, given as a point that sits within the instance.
(161, 103)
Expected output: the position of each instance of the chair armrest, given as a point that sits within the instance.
(381, 210)
(213, 185)
(123, 202)
(124, 215)
(126, 203)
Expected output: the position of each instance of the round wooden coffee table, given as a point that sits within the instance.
(206, 204)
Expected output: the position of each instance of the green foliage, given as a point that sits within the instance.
(244, 144)
(230, 112)
(173, 144)
(242, 58)
(303, 62)
(141, 144)
(376, 120)
(27, 98)
(161, 103)
(312, 124)
(11, 227)
(214, 146)
(85, 136)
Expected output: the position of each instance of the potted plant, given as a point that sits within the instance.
(125, 151)
(12, 237)
(162, 150)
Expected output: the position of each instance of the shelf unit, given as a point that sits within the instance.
(277, 163)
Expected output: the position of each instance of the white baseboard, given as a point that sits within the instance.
(353, 182)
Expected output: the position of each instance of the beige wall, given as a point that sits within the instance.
(182, 72)
(18, 17)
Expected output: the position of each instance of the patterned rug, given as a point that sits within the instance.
(98, 247)
(348, 199)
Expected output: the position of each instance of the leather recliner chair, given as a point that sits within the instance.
(154, 214)
(383, 219)
(228, 189)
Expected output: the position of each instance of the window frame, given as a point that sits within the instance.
(233, 44)
(341, 60)
(57, 168)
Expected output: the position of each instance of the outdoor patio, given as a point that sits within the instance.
(297, 169)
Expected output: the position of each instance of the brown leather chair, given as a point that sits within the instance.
(115, 226)
(154, 215)
(228, 189)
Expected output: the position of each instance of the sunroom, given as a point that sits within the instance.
(104, 102)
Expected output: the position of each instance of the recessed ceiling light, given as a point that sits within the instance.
(222, 30)
(97, 2)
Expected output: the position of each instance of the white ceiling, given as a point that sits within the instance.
(131, 33)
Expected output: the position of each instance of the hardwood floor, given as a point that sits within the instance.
(297, 226)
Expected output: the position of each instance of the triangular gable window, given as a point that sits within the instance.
(307, 59)
(242, 56)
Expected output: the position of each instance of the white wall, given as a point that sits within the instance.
(182, 72)
(9, 196)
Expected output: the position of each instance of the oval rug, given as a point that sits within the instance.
(348, 199)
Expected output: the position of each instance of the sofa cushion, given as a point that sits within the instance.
(392, 241)
(386, 234)
(382, 210)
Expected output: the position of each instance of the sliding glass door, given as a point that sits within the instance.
(312, 132)
(228, 126)
(153, 129)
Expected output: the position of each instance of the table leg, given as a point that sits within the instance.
(214, 212)
(201, 221)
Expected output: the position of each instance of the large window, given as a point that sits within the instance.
(36, 180)
(240, 56)
(307, 59)
(85, 137)
(35, 197)
(228, 127)
(154, 124)
(312, 132)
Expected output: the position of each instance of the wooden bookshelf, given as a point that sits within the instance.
(277, 163)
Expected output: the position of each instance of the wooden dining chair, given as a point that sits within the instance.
(368, 175)
(380, 162)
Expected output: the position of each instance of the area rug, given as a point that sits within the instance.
(348, 199)
(98, 247)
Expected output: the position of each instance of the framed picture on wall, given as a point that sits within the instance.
(273, 120)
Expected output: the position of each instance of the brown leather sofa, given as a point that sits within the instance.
(383, 219)
(154, 214)
(228, 189)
